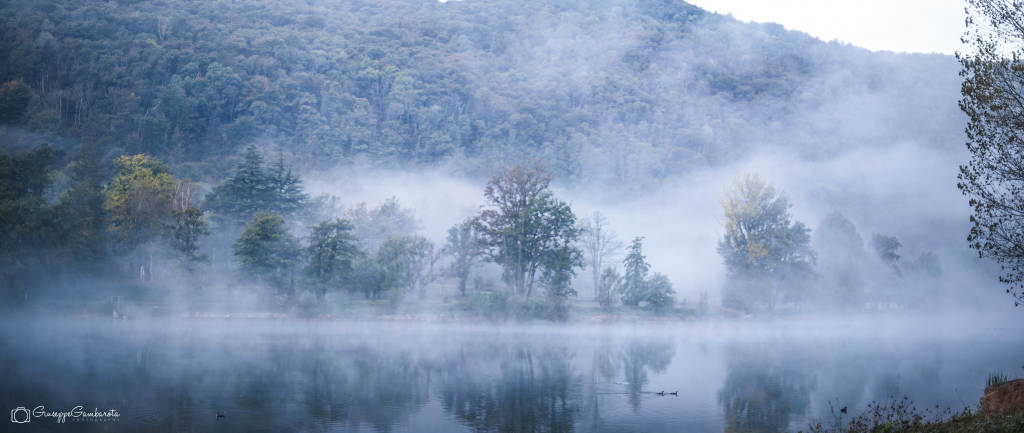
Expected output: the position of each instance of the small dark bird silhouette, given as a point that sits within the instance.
(219, 415)
(675, 393)
(660, 393)
(843, 410)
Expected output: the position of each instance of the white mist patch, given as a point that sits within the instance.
(905, 190)
(440, 199)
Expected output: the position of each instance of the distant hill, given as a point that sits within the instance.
(602, 90)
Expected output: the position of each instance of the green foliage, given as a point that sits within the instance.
(25, 233)
(139, 206)
(635, 280)
(561, 256)
(655, 292)
(491, 304)
(368, 277)
(499, 305)
(525, 229)
(464, 248)
(549, 308)
(659, 293)
(267, 252)
(332, 254)
(189, 227)
(287, 196)
(767, 256)
(192, 82)
(81, 211)
(14, 99)
(405, 263)
(253, 188)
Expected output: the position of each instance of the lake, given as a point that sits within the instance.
(320, 376)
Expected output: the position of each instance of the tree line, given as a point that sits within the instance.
(144, 217)
(260, 221)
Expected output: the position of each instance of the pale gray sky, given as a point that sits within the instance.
(894, 25)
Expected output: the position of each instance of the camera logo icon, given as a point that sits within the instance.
(20, 415)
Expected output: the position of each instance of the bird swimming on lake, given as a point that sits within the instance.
(219, 415)
(843, 410)
(660, 393)
(675, 393)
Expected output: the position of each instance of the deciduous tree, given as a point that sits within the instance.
(139, 205)
(524, 226)
(464, 248)
(332, 253)
(992, 95)
(599, 245)
(267, 252)
(767, 256)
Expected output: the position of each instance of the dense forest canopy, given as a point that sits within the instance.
(605, 90)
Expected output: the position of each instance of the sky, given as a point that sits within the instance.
(924, 26)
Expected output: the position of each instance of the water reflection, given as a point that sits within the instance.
(639, 359)
(762, 393)
(301, 377)
(527, 391)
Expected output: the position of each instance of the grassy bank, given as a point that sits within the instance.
(901, 416)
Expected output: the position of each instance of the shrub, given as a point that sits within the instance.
(996, 379)
(490, 304)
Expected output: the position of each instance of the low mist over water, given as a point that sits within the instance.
(270, 376)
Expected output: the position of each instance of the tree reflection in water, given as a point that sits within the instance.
(528, 390)
(638, 359)
(533, 388)
(762, 392)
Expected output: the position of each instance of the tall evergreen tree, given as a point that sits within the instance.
(655, 291)
(287, 196)
(254, 188)
(245, 193)
(636, 267)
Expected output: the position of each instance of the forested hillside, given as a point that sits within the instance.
(602, 90)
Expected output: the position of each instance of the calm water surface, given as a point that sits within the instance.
(282, 376)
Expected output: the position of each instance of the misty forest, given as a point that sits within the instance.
(504, 216)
